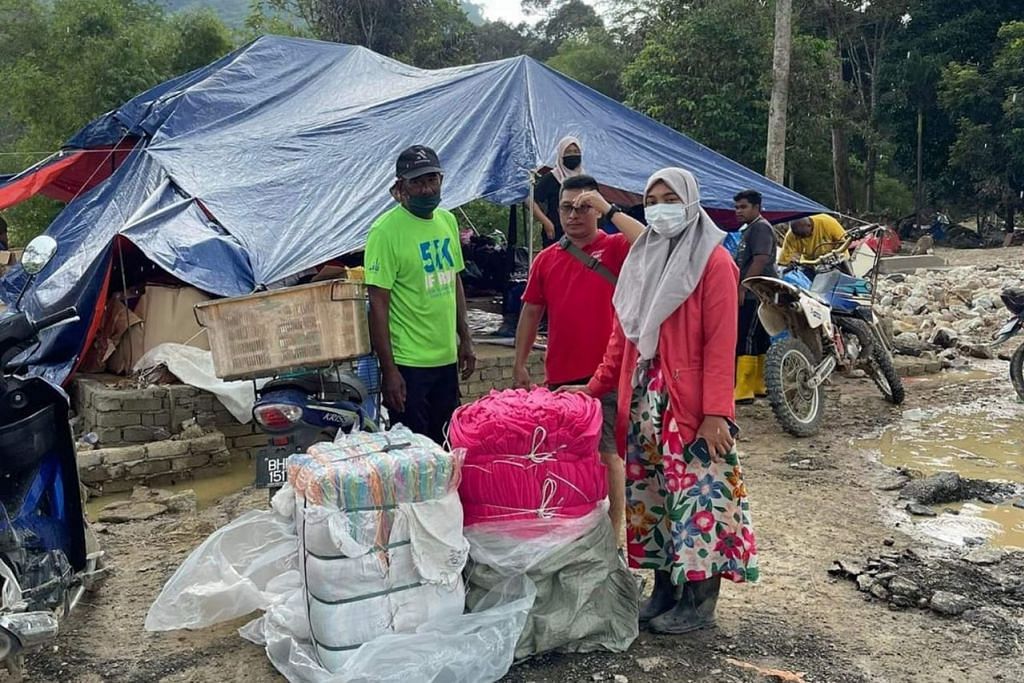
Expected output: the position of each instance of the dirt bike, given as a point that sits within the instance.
(1013, 299)
(830, 325)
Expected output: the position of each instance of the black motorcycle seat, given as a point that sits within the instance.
(1013, 299)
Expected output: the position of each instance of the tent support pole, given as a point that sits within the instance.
(529, 216)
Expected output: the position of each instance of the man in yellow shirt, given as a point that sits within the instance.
(809, 238)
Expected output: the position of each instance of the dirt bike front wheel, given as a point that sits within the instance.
(798, 406)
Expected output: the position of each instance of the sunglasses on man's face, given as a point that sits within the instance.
(568, 209)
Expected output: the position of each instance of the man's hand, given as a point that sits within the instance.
(574, 389)
(522, 377)
(467, 359)
(715, 432)
(592, 199)
(394, 390)
(549, 228)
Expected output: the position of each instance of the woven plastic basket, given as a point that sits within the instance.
(307, 326)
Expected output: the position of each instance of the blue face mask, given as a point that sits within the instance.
(423, 206)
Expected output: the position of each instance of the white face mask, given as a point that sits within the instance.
(668, 220)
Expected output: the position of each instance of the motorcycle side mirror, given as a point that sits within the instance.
(38, 253)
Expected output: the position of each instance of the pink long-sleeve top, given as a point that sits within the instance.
(697, 349)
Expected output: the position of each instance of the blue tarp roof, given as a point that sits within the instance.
(289, 144)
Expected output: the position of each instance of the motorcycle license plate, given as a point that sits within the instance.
(271, 467)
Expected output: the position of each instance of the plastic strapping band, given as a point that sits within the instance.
(367, 596)
(374, 549)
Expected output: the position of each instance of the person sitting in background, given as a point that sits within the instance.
(810, 237)
(547, 193)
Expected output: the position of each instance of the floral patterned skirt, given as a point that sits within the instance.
(685, 513)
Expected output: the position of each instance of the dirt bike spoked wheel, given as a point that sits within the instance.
(798, 406)
(879, 364)
(1017, 371)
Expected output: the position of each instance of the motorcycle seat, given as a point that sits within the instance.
(1013, 299)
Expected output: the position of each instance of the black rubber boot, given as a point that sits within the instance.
(663, 597)
(695, 610)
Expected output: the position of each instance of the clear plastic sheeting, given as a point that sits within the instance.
(194, 367)
(470, 648)
(587, 600)
(251, 564)
(230, 575)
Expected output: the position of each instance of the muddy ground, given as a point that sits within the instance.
(799, 619)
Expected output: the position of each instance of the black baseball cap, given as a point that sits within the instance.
(416, 161)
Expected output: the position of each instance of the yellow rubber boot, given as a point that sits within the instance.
(746, 373)
(760, 390)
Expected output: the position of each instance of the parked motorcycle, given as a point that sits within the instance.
(301, 409)
(1013, 299)
(830, 325)
(49, 556)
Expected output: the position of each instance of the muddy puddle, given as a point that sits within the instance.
(983, 439)
(239, 474)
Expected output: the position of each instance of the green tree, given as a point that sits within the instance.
(716, 96)
(72, 60)
(596, 60)
(988, 105)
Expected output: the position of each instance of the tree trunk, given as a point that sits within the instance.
(919, 193)
(840, 150)
(775, 156)
(870, 170)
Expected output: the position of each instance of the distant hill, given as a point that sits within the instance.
(232, 12)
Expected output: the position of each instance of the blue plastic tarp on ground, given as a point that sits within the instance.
(289, 145)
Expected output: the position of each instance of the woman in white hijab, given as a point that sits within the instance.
(672, 358)
(568, 162)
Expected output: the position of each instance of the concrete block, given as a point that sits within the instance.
(109, 436)
(106, 404)
(190, 462)
(116, 486)
(209, 471)
(113, 456)
(137, 434)
(148, 420)
(167, 449)
(146, 467)
(232, 431)
(119, 419)
(909, 264)
(251, 441)
(207, 444)
(87, 459)
(93, 475)
(144, 405)
(490, 374)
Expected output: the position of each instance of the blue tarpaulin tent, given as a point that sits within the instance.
(279, 156)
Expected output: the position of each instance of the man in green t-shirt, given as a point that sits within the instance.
(417, 306)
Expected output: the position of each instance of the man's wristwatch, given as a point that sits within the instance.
(612, 210)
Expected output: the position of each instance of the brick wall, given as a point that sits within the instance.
(140, 430)
(161, 463)
(494, 371)
(126, 416)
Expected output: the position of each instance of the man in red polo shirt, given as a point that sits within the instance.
(573, 280)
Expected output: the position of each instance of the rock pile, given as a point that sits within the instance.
(953, 313)
(983, 586)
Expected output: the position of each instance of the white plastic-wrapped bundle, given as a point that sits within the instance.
(381, 550)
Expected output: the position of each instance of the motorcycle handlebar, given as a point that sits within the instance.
(852, 235)
(55, 318)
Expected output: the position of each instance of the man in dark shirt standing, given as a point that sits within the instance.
(755, 256)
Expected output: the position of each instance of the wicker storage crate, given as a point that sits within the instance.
(307, 326)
